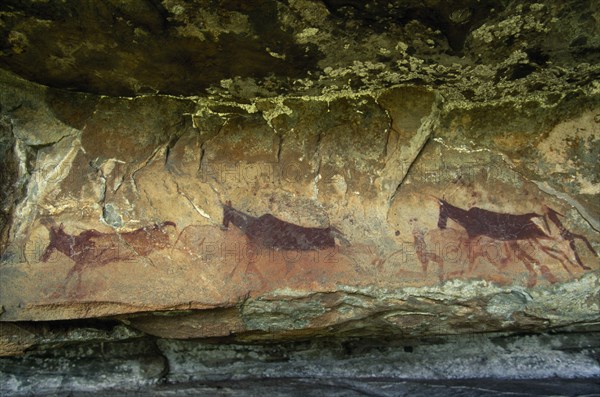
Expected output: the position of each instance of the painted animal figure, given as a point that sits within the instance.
(272, 232)
(510, 229)
(92, 248)
(424, 256)
(499, 226)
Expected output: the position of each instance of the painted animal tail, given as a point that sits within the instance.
(553, 215)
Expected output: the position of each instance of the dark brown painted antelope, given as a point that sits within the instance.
(92, 248)
(511, 228)
(479, 222)
(272, 232)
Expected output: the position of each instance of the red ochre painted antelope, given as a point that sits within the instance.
(91, 248)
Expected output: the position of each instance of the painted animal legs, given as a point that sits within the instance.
(556, 254)
(571, 238)
(527, 259)
(60, 291)
(472, 245)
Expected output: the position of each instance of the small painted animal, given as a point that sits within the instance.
(272, 232)
(92, 248)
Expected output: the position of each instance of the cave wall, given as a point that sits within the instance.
(337, 128)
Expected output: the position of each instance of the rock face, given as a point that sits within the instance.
(368, 169)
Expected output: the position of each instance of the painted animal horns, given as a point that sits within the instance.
(48, 222)
(437, 199)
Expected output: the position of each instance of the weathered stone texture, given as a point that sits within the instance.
(371, 166)
(439, 160)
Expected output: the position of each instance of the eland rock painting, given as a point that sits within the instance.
(92, 249)
(271, 233)
(503, 238)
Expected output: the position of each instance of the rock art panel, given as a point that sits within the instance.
(508, 231)
(348, 209)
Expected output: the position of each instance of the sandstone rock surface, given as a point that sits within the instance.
(408, 182)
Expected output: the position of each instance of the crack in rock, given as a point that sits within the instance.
(589, 218)
(410, 154)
